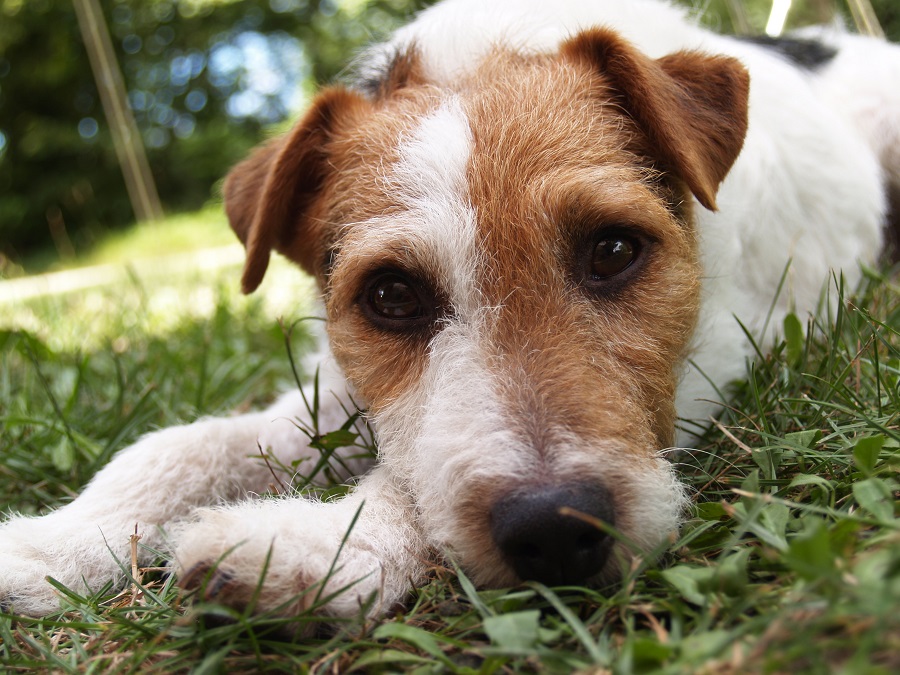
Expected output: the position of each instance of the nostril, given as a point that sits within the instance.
(526, 551)
(589, 540)
(543, 541)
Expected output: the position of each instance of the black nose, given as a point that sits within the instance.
(542, 544)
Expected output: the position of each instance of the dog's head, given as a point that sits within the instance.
(511, 279)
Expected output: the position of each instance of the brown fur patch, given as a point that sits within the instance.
(271, 196)
(691, 106)
(597, 364)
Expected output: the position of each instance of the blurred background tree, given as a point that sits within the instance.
(206, 79)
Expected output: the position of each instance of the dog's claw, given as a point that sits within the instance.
(221, 583)
(213, 583)
(192, 580)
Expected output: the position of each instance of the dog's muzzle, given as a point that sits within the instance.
(543, 541)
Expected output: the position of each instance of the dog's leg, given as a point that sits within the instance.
(160, 479)
(345, 558)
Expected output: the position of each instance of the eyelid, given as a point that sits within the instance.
(624, 228)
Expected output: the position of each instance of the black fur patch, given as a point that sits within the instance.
(805, 53)
(892, 227)
(380, 70)
(368, 81)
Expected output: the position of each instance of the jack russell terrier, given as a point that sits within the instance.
(532, 225)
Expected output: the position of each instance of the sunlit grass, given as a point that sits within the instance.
(790, 564)
(153, 301)
(207, 228)
(177, 233)
(148, 279)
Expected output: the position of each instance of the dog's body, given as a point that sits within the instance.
(511, 218)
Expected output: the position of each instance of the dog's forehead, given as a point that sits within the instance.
(446, 176)
(533, 114)
(550, 152)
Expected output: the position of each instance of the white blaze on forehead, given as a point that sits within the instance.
(433, 160)
(430, 180)
(436, 227)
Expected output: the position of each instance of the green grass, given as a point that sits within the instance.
(181, 232)
(177, 233)
(791, 563)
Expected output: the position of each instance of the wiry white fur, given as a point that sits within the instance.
(828, 215)
(853, 84)
(452, 37)
(449, 430)
(299, 541)
(808, 187)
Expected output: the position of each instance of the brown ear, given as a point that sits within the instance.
(691, 106)
(270, 196)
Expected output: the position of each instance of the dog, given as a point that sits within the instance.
(532, 227)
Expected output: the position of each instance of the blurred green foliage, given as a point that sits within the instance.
(720, 14)
(205, 78)
(888, 12)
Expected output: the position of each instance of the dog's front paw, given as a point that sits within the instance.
(72, 552)
(282, 557)
(24, 588)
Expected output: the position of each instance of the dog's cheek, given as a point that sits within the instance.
(646, 333)
(380, 366)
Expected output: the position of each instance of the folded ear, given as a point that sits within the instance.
(271, 197)
(691, 106)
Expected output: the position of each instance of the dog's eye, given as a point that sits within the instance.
(613, 254)
(396, 298)
(393, 298)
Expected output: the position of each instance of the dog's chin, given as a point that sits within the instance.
(496, 572)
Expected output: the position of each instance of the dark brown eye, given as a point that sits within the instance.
(392, 296)
(613, 255)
